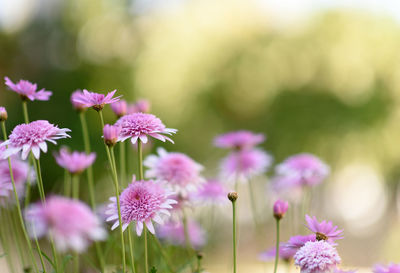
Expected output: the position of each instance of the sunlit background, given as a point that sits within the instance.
(314, 76)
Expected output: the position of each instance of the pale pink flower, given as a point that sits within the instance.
(338, 270)
(245, 164)
(96, 100)
(298, 241)
(141, 202)
(324, 230)
(27, 90)
(286, 188)
(317, 257)
(280, 208)
(284, 254)
(119, 108)
(69, 222)
(174, 233)
(33, 137)
(239, 140)
(76, 97)
(179, 171)
(140, 126)
(75, 162)
(390, 268)
(111, 134)
(211, 192)
(3, 114)
(140, 106)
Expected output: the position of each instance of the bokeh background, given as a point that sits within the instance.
(314, 76)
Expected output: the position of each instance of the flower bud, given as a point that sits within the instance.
(3, 114)
(280, 208)
(111, 134)
(233, 196)
(119, 108)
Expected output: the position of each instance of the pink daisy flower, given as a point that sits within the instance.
(284, 254)
(141, 106)
(3, 114)
(75, 162)
(119, 108)
(390, 268)
(27, 90)
(317, 257)
(33, 137)
(70, 222)
(177, 169)
(239, 140)
(140, 126)
(324, 230)
(298, 241)
(141, 202)
(211, 192)
(96, 100)
(173, 232)
(245, 164)
(304, 169)
(76, 97)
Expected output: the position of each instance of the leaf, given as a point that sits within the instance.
(66, 259)
(47, 258)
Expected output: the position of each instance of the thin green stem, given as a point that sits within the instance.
(165, 256)
(198, 270)
(67, 183)
(54, 252)
(39, 180)
(253, 205)
(4, 240)
(189, 247)
(140, 159)
(133, 270)
(146, 255)
(25, 110)
(28, 186)
(40, 254)
(234, 234)
(75, 186)
(15, 235)
(277, 246)
(21, 219)
(122, 163)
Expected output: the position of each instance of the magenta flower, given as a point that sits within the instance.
(33, 137)
(324, 230)
(280, 208)
(298, 241)
(284, 254)
(119, 108)
(211, 192)
(111, 134)
(239, 140)
(3, 114)
(304, 169)
(245, 164)
(27, 90)
(141, 106)
(139, 126)
(390, 268)
(141, 202)
(74, 162)
(71, 223)
(76, 97)
(317, 257)
(179, 171)
(174, 233)
(96, 100)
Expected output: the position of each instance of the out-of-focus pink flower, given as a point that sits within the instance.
(211, 192)
(390, 268)
(324, 230)
(111, 134)
(304, 169)
(76, 97)
(140, 126)
(140, 106)
(141, 202)
(3, 114)
(239, 140)
(96, 100)
(284, 254)
(338, 270)
(119, 108)
(298, 241)
(317, 257)
(280, 208)
(27, 90)
(75, 162)
(179, 171)
(286, 188)
(245, 164)
(71, 223)
(33, 137)
(174, 233)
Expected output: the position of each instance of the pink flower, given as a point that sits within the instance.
(390, 268)
(74, 162)
(71, 223)
(111, 134)
(27, 90)
(141, 202)
(239, 140)
(337, 270)
(304, 169)
(280, 208)
(139, 126)
(286, 188)
(174, 233)
(119, 108)
(33, 137)
(177, 169)
(245, 164)
(284, 253)
(324, 230)
(76, 97)
(213, 191)
(96, 100)
(3, 114)
(141, 106)
(317, 257)
(298, 241)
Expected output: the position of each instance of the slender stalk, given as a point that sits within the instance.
(4, 241)
(28, 185)
(146, 254)
(25, 110)
(54, 252)
(40, 254)
(21, 219)
(234, 235)
(199, 258)
(253, 205)
(28, 188)
(15, 235)
(165, 256)
(39, 180)
(122, 163)
(75, 186)
(277, 246)
(189, 247)
(67, 183)
(133, 270)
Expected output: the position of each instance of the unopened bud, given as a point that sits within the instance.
(280, 208)
(233, 196)
(3, 114)
(111, 134)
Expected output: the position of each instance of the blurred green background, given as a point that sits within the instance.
(327, 82)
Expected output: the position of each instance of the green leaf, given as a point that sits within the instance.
(66, 259)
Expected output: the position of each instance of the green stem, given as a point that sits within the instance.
(15, 235)
(4, 240)
(39, 180)
(146, 255)
(67, 183)
(165, 256)
(25, 110)
(75, 186)
(122, 163)
(198, 264)
(140, 159)
(189, 247)
(21, 219)
(28, 186)
(54, 252)
(40, 254)
(253, 205)
(234, 234)
(277, 246)
(133, 270)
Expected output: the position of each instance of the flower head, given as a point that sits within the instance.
(33, 137)
(390, 268)
(280, 208)
(174, 233)
(239, 140)
(317, 257)
(96, 100)
(298, 241)
(75, 162)
(110, 134)
(245, 164)
(141, 106)
(140, 125)
(3, 114)
(179, 171)
(213, 191)
(76, 97)
(70, 222)
(119, 108)
(304, 169)
(324, 230)
(141, 202)
(27, 90)
(284, 253)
